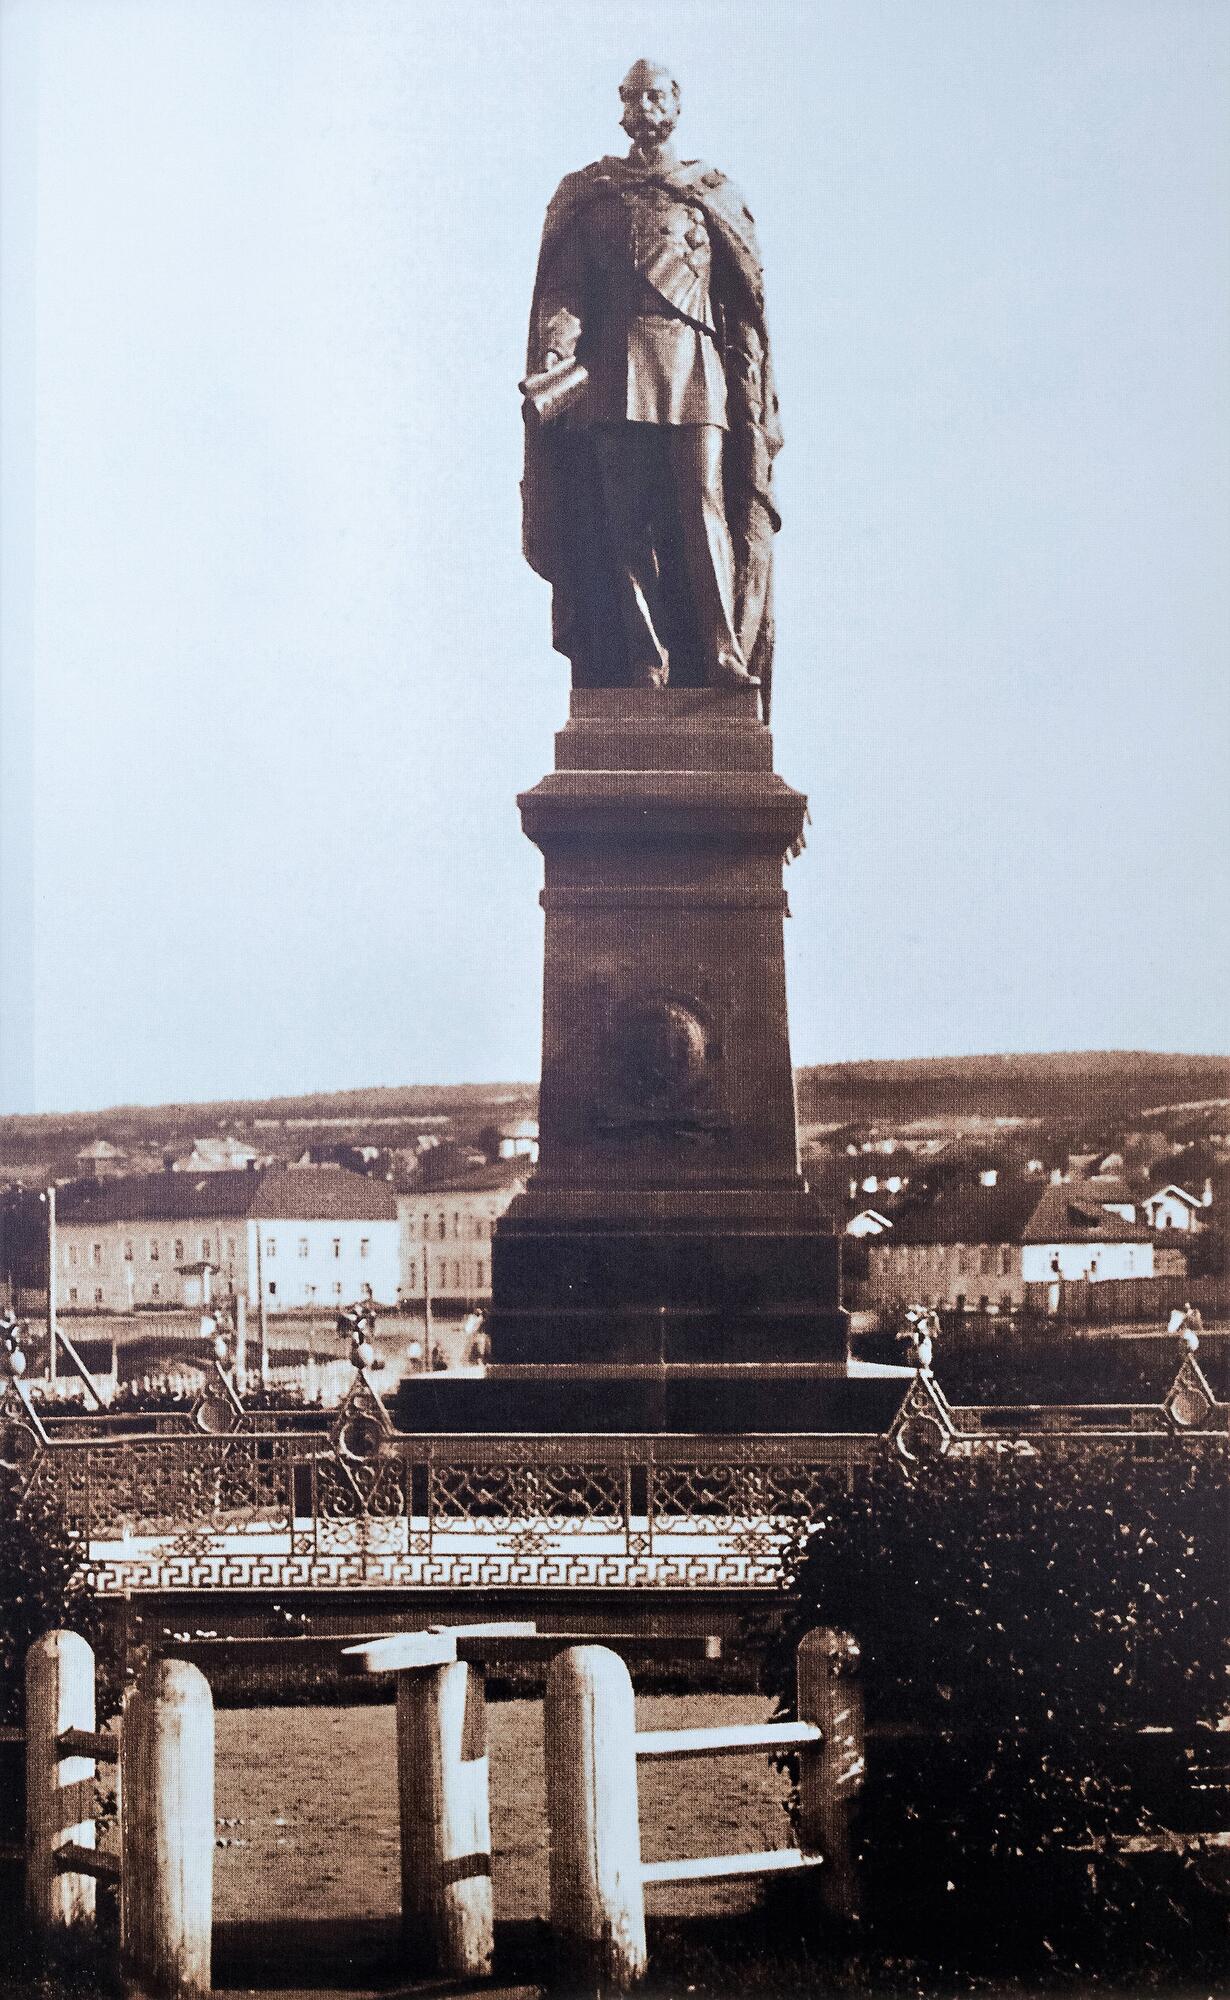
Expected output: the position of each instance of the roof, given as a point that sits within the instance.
(100, 1149)
(1181, 1194)
(216, 1153)
(279, 1194)
(1072, 1212)
(489, 1179)
(969, 1213)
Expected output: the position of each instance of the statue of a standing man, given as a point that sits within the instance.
(651, 420)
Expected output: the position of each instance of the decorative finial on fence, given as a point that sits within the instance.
(922, 1325)
(13, 1334)
(359, 1321)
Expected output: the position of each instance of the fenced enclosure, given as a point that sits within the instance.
(162, 1869)
(265, 1500)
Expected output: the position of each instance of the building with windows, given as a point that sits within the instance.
(1083, 1230)
(446, 1232)
(290, 1236)
(960, 1248)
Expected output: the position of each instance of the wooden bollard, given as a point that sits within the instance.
(831, 1774)
(167, 1830)
(59, 1788)
(447, 1917)
(597, 1887)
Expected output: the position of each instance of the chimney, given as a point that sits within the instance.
(1206, 1199)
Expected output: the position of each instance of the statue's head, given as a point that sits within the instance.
(650, 97)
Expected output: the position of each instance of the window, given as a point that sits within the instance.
(98, 1295)
(456, 1222)
(152, 1247)
(365, 1246)
(480, 1272)
(72, 1253)
(1005, 1259)
(413, 1281)
(72, 1295)
(426, 1227)
(96, 1254)
(442, 1274)
(179, 1249)
(441, 1226)
(155, 1290)
(456, 1277)
(303, 1246)
(204, 1246)
(272, 1288)
(230, 1249)
(337, 1246)
(128, 1253)
(271, 1246)
(984, 1259)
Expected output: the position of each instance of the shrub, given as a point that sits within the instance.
(41, 1587)
(1024, 1617)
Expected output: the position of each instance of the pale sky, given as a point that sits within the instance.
(273, 668)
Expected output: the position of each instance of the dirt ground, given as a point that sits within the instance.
(306, 1868)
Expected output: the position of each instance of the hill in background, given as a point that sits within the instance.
(1090, 1092)
(1092, 1089)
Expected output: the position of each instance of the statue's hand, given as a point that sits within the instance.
(561, 333)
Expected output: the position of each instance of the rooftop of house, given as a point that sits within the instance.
(216, 1155)
(101, 1149)
(1075, 1212)
(968, 1213)
(276, 1194)
(490, 1178)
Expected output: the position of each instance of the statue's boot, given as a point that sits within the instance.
(726, 672)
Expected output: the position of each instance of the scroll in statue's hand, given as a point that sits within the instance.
(555, 387)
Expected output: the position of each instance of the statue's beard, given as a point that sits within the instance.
(647, 132)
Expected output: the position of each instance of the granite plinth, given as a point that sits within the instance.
(667, 1220)
(554, 1400)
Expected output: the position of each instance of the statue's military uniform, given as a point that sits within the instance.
(629, 285)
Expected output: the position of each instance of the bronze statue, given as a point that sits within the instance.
(651, 419)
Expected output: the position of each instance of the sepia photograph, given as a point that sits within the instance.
(614, 1051)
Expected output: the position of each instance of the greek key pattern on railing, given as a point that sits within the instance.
(359, 1503)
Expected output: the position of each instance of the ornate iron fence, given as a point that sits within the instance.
(284, 1506)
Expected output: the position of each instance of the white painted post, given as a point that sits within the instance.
(597, 1889)
(447, 1916)
(831, 1773)
(59, 1789)
(132, 1787)
(167, 1817)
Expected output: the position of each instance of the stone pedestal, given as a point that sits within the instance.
(667, 1220)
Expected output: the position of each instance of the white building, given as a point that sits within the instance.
(1173, 1208)
(446, 1233)
(1075, 1233)
(293, 1236)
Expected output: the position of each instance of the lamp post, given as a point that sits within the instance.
(50, 1198)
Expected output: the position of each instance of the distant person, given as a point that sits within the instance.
(1188, 1324)
(438, 1361)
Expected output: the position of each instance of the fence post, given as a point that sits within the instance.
(597, 1889)
(831, 1773)
(59, 1795)
(167, 1822)
(447, 1917)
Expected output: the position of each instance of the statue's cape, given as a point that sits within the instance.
(754, 436)
(709, 189)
